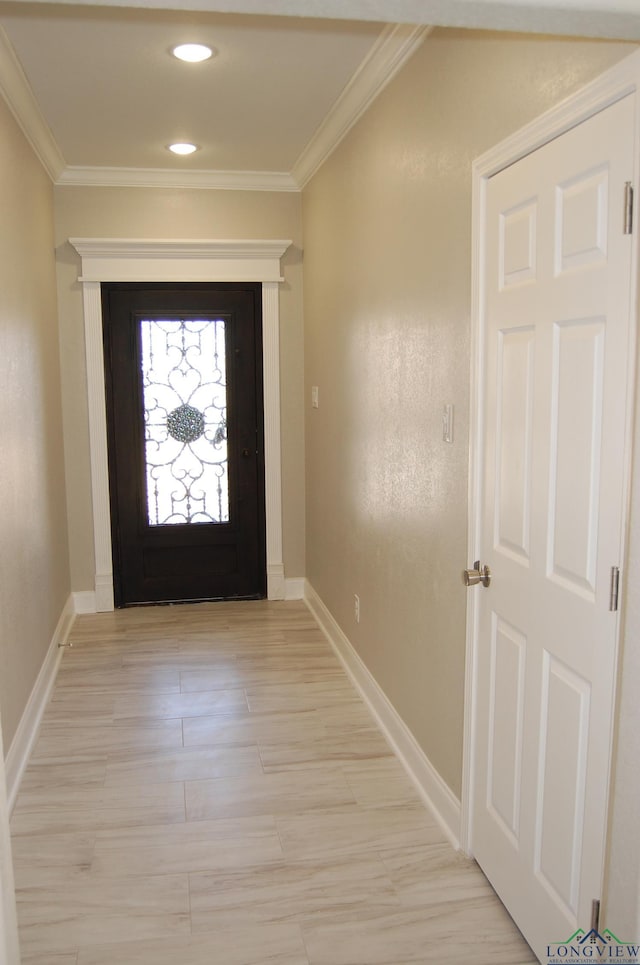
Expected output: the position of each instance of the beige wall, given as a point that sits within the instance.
(34, 563)
(387, 228)
(168, 213)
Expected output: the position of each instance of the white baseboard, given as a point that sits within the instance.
(294, 588)
(438, 797)
(25, 736)
(84, 601)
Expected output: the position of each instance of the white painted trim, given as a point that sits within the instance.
(20, 100)
(144, 259)
(294, 588)
(272, 440)
(438, 797)
(268, 251)
(105, 177)
(474, 501)
(25, 736)
(117, 259)
(276, 583)
(9, 945)
(96, 399)
(395, 45)
(110, 256)
(84, 601)
(621, 80)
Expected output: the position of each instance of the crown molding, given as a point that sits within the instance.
(104, 177)
(394, 47)
(21, 101)
(396, 44)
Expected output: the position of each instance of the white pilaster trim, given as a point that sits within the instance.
(94, 354)
(389, 54)
(435, 793)
(276, 584)
(19, 97)
(118, 259)
(272, 441)
(17, 756)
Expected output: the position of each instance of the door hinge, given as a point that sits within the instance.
(628, 208)
(615, 587)
(595, 915)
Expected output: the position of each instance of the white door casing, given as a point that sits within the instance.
(541, 642)
(116, 259)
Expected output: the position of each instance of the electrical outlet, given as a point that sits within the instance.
(356, 607)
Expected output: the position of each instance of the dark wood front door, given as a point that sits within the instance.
(186, 455)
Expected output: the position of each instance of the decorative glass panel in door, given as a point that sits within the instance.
(185, 418)
(184, 389)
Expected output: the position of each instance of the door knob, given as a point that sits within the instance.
(479, 574)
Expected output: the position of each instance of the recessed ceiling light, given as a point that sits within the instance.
(183, 148)
(192, 53)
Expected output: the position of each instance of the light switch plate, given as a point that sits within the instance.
(447, 423)
(314, 397)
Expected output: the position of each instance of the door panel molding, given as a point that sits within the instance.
(115, 259)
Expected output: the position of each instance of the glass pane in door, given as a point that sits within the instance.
(185, 421)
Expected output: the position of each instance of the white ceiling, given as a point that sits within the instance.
(113, 96)
(99, 95)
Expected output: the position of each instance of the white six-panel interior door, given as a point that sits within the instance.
(557, 282)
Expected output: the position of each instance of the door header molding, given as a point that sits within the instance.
(126, 259)
(150, 259)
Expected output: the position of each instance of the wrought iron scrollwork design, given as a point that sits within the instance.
(185, 420)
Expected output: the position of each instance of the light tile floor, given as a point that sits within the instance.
(208, 789)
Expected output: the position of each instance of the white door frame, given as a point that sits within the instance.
(618, 82)
(118, 259)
